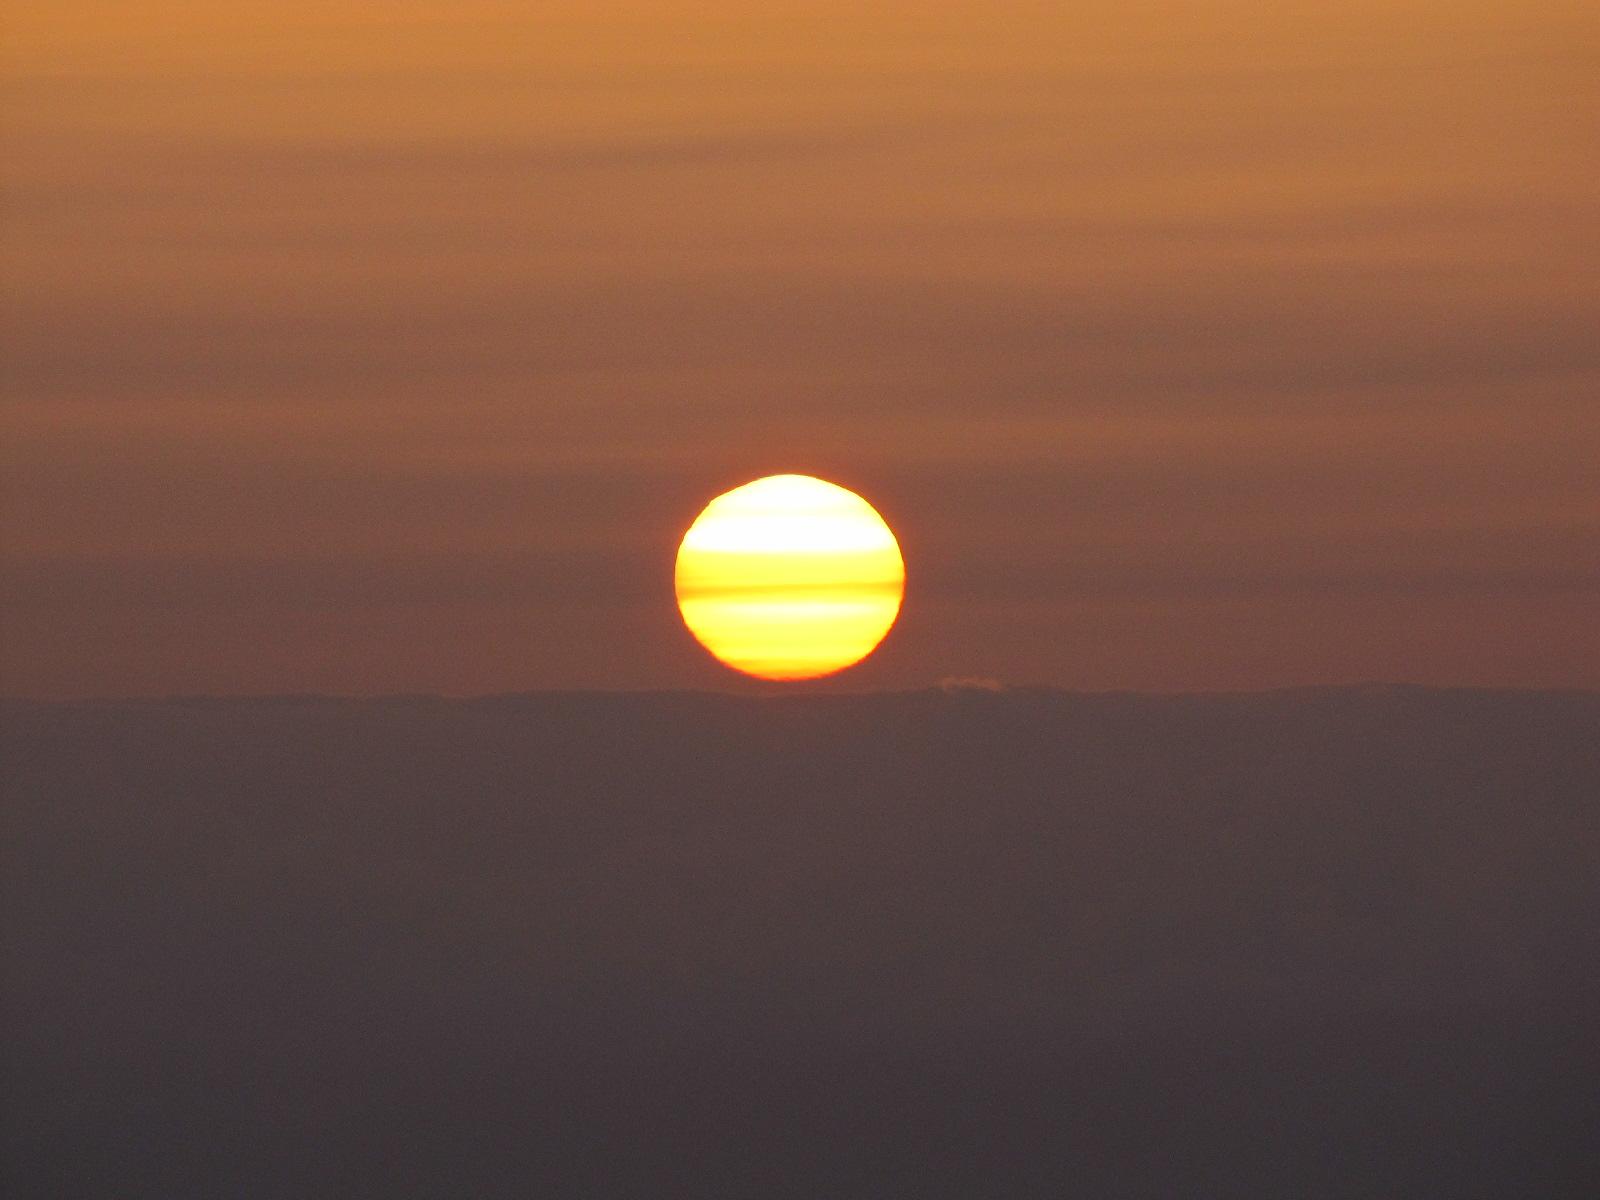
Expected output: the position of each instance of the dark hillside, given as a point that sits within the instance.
(1313, 943)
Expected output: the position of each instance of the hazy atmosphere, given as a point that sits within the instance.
(800, 601)
(1228, 344)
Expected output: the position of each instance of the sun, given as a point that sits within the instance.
(789, 577)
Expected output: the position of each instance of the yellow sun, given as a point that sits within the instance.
(789, 577)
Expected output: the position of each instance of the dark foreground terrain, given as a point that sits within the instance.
(1329, 943)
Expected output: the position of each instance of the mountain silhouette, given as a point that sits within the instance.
(957, 943)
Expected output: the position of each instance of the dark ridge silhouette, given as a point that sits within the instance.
(959, 943)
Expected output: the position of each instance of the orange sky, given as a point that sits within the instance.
(391, 348)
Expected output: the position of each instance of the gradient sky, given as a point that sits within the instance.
(365, 348)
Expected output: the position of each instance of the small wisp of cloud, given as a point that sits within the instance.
(952, 684)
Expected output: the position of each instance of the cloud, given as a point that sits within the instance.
(951, 684)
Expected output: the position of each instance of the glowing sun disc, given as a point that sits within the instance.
(789, 577)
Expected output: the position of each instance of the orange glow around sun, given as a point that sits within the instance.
(789, 577)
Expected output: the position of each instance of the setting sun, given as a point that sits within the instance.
(789, 577)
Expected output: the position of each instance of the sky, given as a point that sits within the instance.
(1224, 344)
